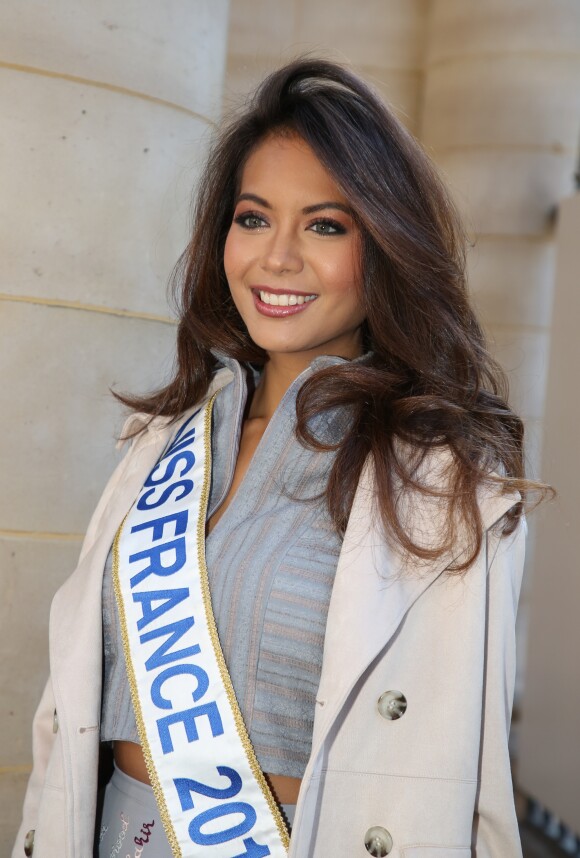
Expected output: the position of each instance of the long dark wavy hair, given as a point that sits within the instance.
(429, 380)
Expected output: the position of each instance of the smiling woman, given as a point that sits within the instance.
(292, 255)
(295, 605)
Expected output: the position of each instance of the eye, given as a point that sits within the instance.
(327, 226)
(250, 220)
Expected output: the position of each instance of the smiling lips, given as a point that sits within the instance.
(279, 303)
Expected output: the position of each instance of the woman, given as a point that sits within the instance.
(335, 405)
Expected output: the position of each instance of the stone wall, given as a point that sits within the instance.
(501, 117)
(106, 110)
(549, 750)
(382, 39)
(105, 114)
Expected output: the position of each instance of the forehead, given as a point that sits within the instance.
(286, 165)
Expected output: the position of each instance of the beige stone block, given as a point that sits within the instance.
(512, 280)
(260, 28)
(12, 788)
(244, 73)
(522, 626)
(381, 41)
(175, 51)
(533, 440)
(519, 101)
(524, 355)
(58, 420)
(369, 32)
(496, 26)
(532, 449)
(400, 88)
(507, 193)
(372, 32)
(96, 188)
(550, 764)
(31, 570)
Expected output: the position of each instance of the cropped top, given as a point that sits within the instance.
(271, 560)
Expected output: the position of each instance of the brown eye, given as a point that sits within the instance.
(326, 226)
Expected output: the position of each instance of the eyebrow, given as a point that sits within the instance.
(328, 204)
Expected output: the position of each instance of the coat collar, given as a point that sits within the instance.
(151, 430)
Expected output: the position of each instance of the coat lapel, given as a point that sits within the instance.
(75, 635)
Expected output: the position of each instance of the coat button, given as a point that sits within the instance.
(55, 722)
(392, 705)
(29, 843)
(378, 841)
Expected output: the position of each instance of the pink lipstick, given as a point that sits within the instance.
(278, 311)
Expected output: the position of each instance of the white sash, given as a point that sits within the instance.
(212, 795)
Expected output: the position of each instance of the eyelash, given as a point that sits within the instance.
(338, 228)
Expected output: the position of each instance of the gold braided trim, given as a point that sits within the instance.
(213, 633)
(151, 770)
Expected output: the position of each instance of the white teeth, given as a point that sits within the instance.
(289, 300)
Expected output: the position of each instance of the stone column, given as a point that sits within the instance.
(549, 758)
(105, 114)
(382, 39)
(501, 118)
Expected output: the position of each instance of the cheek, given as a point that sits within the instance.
(233, 255)
(228, 253)
(341, 273)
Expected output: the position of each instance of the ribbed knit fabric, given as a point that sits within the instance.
(271, 562)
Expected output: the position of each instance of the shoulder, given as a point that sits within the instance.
(427, 506)
(433, 472)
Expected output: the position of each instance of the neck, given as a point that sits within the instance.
(280, 371)
(276, 378)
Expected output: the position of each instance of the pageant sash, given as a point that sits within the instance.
(212, 795)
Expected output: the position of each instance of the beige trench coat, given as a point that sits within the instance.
(433, 783)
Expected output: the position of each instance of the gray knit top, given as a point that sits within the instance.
(271, 561)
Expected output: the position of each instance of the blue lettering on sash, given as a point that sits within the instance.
(188, 788)
(185, 485)
(178, 670)
(180, 442)
(174, 632)
(181, 436)
(168, 464)
(157, 524)
(169, 599)
(171, 464)
(213, 813)
(175, 549)
(187, 717)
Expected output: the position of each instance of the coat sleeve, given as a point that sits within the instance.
(42, 725)
(495, 823)
(42, 741)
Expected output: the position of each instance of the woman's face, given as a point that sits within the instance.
(292, 255)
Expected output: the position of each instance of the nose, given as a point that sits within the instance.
(282, 254)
